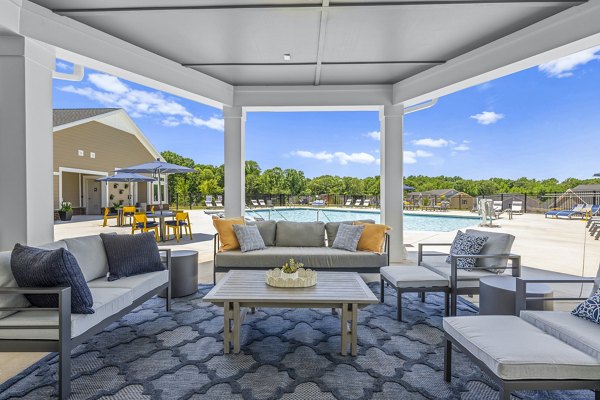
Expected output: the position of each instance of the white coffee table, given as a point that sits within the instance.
(240, 289)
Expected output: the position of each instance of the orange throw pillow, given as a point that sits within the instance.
(372, 238)
(224, 227)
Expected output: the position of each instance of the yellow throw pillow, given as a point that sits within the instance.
(373, 237)
(224, 227)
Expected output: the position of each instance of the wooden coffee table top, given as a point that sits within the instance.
(331, 287)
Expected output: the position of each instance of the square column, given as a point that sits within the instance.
(235, 160)
(26, 170)
(392, 181)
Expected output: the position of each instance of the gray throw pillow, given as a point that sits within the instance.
(249, 237)
(131, 255)
(347, 237)
(34, 267)
(466, 245)
(267, 230)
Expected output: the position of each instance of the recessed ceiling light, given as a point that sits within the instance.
(287, 57)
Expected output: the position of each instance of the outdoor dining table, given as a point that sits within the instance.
(161, 215)
(121, 217)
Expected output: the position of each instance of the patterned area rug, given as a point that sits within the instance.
(286, 354)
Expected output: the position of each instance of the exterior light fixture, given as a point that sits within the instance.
(287, 57)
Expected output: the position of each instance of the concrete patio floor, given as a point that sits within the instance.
(548, 247)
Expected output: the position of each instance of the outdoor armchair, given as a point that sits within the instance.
(466, 282)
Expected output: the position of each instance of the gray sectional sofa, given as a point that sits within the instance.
(540, 350)
(306, 242)
(24, 328)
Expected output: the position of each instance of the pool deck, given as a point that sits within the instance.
(548, 247)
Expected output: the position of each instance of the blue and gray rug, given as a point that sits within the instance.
(286, 354)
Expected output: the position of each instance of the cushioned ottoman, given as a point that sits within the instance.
(413, 278)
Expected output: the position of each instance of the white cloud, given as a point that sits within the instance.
(339, 156)
(487, 117)
(108, 83)
(421, 153)
(461, 147)
(564, 66)
(62, 65)
(428, 142)
(410, 157)
(375, 135)
(112, 92)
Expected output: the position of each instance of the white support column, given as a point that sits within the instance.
(392, 185)
(235, 160)
(26, 172)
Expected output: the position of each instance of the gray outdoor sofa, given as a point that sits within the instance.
(34, 329)
(540, 350)
(306, 242)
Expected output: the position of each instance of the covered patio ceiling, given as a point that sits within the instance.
(399, 51)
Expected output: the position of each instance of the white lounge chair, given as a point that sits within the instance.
(269, 203)
(219, 201)
(498, 207)
(262, 203)
(366, 203)
(357, 203)
(208, 201)
(348, 202)
(254, 202)
(516, 207)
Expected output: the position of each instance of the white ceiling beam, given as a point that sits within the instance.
(313, 96)
(565, 33)
(333, 4)
(83, 44)
(321, 42)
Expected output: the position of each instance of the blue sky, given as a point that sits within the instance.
(540, 123)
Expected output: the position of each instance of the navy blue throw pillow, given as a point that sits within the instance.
(589, 309)
(33, 267)
(131, 255)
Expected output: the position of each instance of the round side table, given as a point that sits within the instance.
(497, 295)
(184, 273)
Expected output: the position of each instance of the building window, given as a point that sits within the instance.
(163, 191)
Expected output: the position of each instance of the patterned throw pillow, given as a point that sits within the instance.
(347, 237)
(463, 245)
(589, 309)
(249, 237)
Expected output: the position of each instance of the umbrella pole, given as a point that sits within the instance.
(130, 195)
(159, 193)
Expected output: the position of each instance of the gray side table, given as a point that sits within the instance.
(184, 273)
(497, 295)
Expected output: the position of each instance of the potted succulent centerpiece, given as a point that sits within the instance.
(290, 269)
(66, 211)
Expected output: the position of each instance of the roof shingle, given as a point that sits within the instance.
(62, 116)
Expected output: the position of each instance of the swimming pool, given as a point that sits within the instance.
(412, 222)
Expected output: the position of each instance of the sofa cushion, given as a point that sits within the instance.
(249, 237)
(138, 284)
(577, 332)
(514, 349)
(466, 278)
(373, 237)
(131, 255)
(347, 237)
(332, 227)
(267, 230)
(497, 243)
(412, 276)
(589, 309)
(107, 302)
(311, 257)
(90, 255)
(35, 267)
(300, 234)
(466, 245)
(8, 280)
(224, 227)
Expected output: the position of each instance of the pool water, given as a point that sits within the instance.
(412, 222)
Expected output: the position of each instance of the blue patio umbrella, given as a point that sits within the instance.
(126, 177)
(409, 188)
(156, 168)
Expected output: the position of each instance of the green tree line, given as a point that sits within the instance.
(210, 179)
